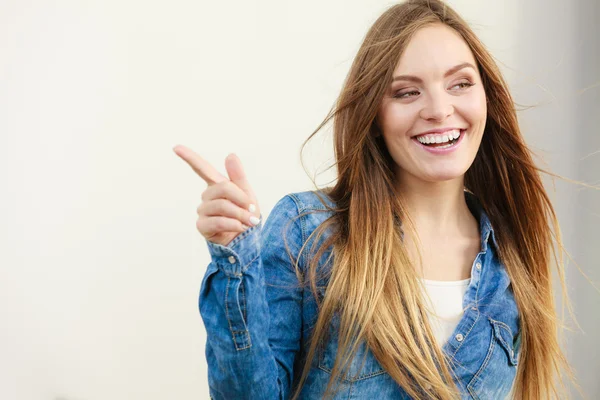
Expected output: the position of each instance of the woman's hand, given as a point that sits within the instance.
(228, 206)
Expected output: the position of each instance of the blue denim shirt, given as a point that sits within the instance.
(258, 318)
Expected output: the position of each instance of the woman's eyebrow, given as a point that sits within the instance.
(451, 71)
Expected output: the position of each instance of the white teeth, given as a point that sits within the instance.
(451, 135)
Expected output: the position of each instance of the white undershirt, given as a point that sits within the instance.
(447, 297)
(446, 301)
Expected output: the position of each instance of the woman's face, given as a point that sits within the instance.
(437, 88)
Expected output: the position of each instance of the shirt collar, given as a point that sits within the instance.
(485, 226)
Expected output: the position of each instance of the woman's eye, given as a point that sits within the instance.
(464, 85)
(461, 85)
(404, 95)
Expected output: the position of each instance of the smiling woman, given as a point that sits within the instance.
(436, 92)
(414, 276)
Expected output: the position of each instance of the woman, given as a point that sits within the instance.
(424, 272)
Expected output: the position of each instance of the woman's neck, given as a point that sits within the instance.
(448, 232)
(437, 208)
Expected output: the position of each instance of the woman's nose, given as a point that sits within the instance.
(438, 106)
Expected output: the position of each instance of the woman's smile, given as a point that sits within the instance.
(440, 143)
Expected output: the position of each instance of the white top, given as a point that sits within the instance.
(446, 301)
(447, 297)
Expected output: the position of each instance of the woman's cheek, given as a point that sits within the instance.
(478, 103)
(399, 118)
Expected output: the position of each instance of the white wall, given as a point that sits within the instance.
(100, 261)
(558, 58)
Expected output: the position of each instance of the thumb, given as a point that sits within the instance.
(236, 174)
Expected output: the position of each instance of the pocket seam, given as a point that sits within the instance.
(496, 336)
(483, 366)
(512, 357)
(321, 365)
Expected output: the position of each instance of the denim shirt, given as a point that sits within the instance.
(258, 318)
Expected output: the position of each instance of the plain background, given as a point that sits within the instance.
(100, 260)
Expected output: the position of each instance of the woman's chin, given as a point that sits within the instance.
(442, 173)
(443, 176)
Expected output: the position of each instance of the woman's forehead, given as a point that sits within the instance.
(434, 49)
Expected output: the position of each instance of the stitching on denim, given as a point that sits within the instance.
(301, 206)
(466, 335)
(242, 235)
(369, 375)
(227, 310)
(233, 332)
(248, 340)
(245, 268)
(480, 278)
(507, 347)
(476, 302)
(302, 217)
(243, 302)
(503, 325)
(456, 363)
(321, 365)
(483, 366)
(472, 392)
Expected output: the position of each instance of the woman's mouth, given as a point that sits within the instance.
(441, 142)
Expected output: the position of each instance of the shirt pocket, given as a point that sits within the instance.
(363, 366)
(496, 375)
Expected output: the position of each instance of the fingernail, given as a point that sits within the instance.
(254, 220)
(252, 208)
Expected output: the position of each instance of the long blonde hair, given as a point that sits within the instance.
(372, 282)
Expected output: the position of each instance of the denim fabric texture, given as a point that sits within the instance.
(258, 318)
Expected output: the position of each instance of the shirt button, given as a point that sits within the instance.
(478, 265)
(459, 337)
(231, 259)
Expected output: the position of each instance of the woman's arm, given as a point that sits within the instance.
(251, 305)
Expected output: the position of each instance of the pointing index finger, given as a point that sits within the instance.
(199, 165)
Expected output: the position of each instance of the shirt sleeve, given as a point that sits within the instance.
(251, 305)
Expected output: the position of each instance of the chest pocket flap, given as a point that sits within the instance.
(505, 337)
